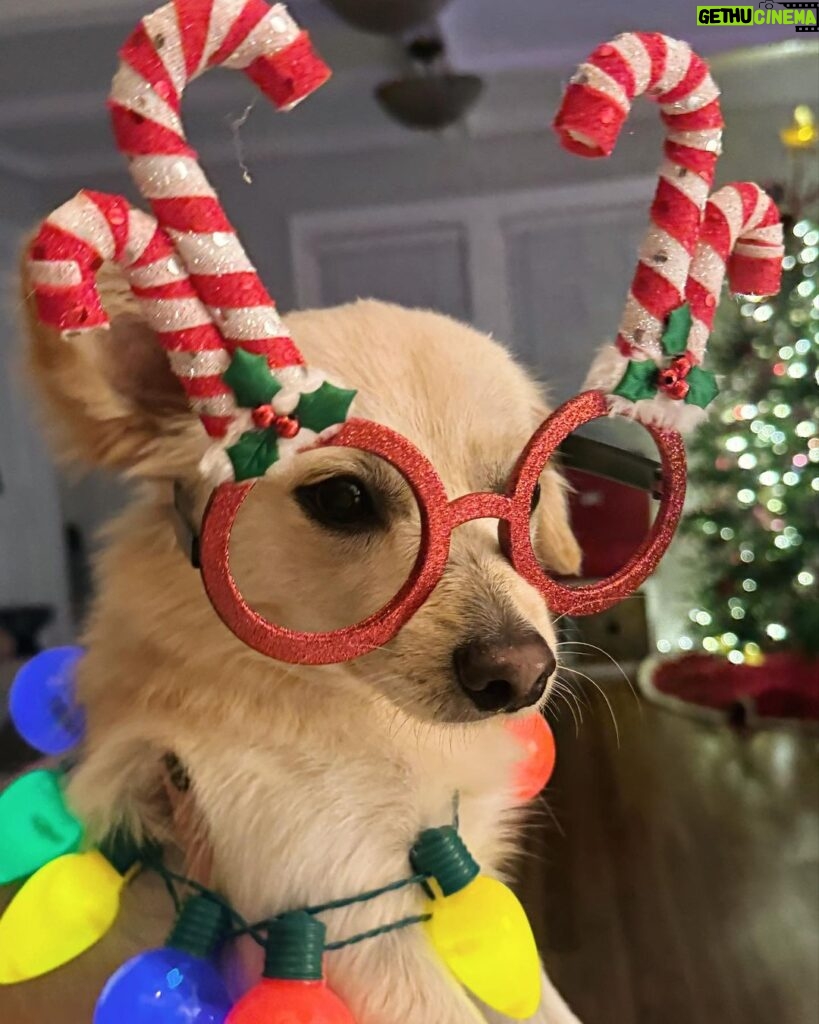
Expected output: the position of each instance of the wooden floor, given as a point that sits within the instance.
(684, 888)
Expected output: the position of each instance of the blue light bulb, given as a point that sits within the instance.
(43, 704)
(164, 986)
(174, 985)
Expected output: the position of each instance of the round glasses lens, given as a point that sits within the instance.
(611, 467)
(326, 542)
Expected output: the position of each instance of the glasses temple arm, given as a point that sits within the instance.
(611, 463)
(187, 535)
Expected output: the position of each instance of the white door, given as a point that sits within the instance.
(546, 272)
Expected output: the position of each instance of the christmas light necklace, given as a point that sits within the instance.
(70, 896)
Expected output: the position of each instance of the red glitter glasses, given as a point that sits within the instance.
(439, 517)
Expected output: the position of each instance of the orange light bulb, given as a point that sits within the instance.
(533, 771)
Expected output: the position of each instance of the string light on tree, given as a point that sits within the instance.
(801, 133)
(754, 465)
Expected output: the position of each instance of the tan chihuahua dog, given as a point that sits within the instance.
(306, 784)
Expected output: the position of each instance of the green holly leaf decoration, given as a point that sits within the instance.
(250, 379)
(702, 387)
(324, 407)
(639, 380)
(254, 453)
(677, 329)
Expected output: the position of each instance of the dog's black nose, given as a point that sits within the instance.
(506, 675)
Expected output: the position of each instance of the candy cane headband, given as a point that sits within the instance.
(196, 285)
(246, 379)
(653, 370)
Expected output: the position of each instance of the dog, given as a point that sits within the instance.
(304, 784)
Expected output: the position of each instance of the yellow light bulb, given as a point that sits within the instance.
(478, 927)
(802, 132)
(483, 935)
(753, 654)
(62, 910)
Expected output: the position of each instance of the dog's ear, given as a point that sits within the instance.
(111, 398)
(555, 544)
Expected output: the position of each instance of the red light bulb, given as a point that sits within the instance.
(279, 1001)
(292, 989)
(533, 772)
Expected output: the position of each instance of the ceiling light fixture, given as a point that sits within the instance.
(386, 17)
(433, 96)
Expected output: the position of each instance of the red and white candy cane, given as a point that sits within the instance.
(95, 228)
(593, 111)
(682, 257)
(195, 282)
(741, 238)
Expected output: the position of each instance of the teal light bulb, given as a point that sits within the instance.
(35, 825)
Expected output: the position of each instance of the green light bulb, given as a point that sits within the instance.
(35, 825)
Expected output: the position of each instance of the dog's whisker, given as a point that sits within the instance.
(614, 661)
(565, 687)
(566, 684)
(542, 811)
(562, 693)
(603, 694)
(550, 709)
(570, 699)
(533, 829)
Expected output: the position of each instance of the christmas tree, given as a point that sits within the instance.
(755, 467)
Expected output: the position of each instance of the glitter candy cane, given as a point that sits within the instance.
(94, 228)
(594, 109)
(168, 49)
(195, 283)
(741, 238)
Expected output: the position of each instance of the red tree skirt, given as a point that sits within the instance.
(785, 686)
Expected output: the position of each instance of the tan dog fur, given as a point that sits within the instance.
(311, 782)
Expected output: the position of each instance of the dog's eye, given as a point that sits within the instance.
(339, 502)
(536, 497)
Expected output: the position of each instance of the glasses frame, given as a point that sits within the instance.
(439, 517)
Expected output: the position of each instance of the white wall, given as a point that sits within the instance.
(32, 560)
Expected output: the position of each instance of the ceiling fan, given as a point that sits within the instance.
(432, 96)
(387, 17)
